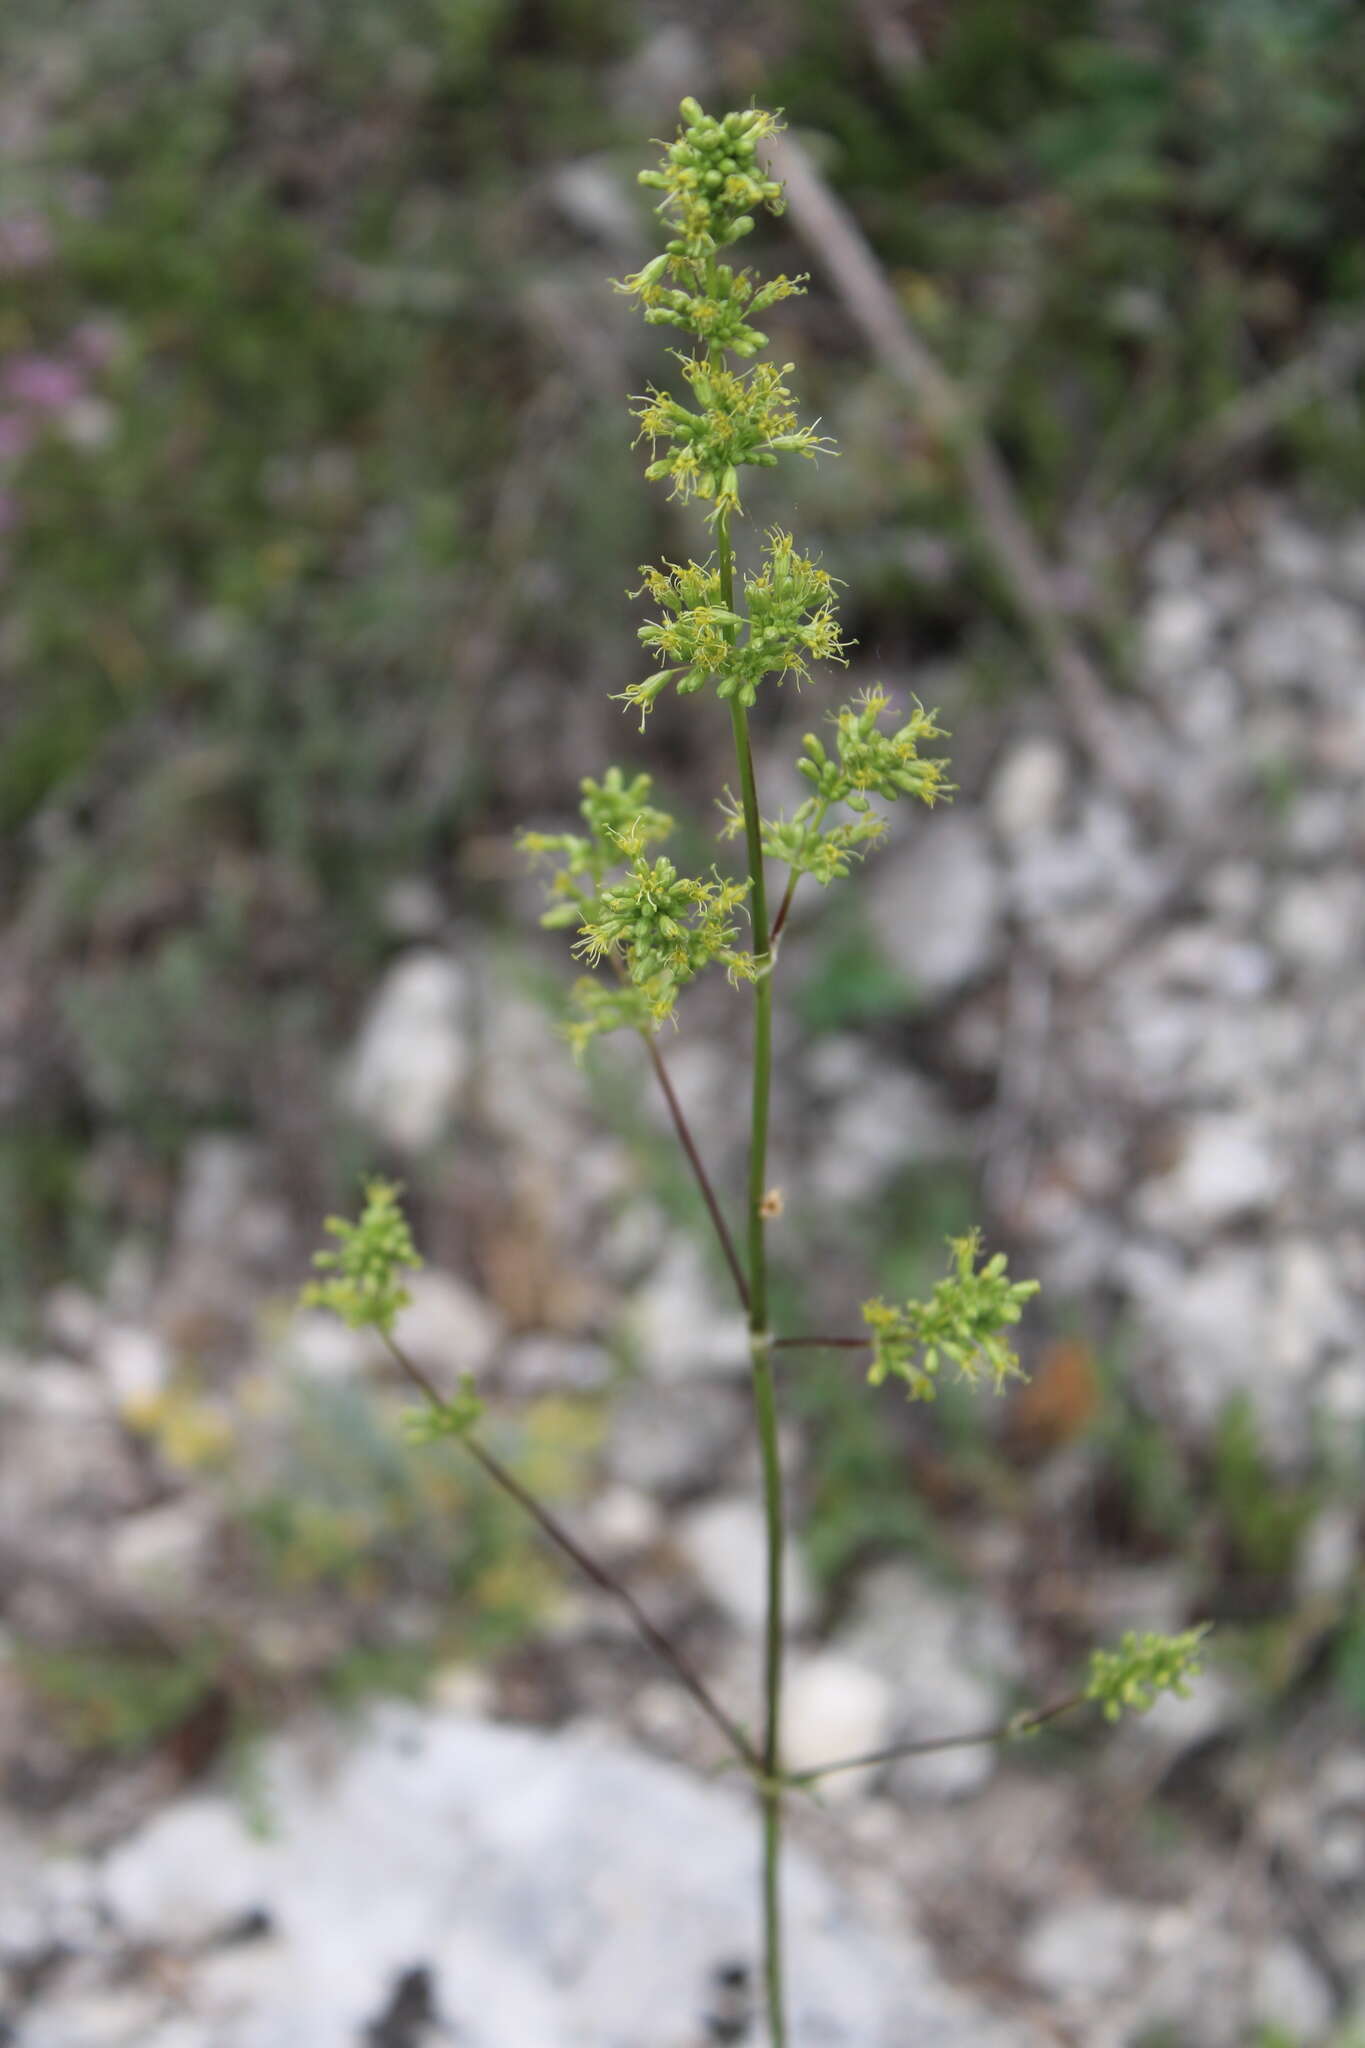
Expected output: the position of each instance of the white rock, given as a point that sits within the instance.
(462, 1689)
(134, 1364)
(1318, 825)
(560, 1892)
(1173, 1726)
(319, 1345)
(72, 1318)
(1227, 1169)
(725, 1543)
(1087, 1950)
(131, 2017)
(917, 1638)
(1292, 552)
(888, 1121)
(530, 1094)
(1305, 639)
(670, 1440)
(1290, 1992)
(936, 909)
(412, 908)
(194, 1871)
(1210, 1321)
(1209, 961)
(1029, 789)
(407, 1074)
(162, 1550)
(833, 1707)
(215, 1183)
(624, 1520)
(446, 1327)
(675, 1327)
(1308, 1313)
(590, 195)
(1328, 1554)
(1317, 923)
(1177, 632)
(646, 86)
(1233, 890)
(1082, 890)
(1207, 708)
(543, 1362)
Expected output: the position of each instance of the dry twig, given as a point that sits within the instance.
(837, 242)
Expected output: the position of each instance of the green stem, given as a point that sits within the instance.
(764, 1390)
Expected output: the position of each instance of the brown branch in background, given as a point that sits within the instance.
(820, 1343)
(784, 908)
(1332, 360)
(840, 247)
(892, 41)
(1005, 1731)
(549, 1524)
(703, 1179)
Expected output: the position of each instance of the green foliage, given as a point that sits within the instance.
(1124, 219)
(851, 981)
(345, 1519)
(1157, 1495)
(1263, 1515)
(286, 286)
(107, 1700)
(860, 1502)
(1348, 1660)
(1132, 1677)
(371, 1256)
(455, 1417)
(963, 1322)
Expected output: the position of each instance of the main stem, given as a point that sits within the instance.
(760, 1339)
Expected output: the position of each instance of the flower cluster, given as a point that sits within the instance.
(712, 180)
(869, 762)
(742, 417)
(1142, 1667)
(440, 1419)
(866, 762)
(789, 616)
(366, 1290)
(664, 928)
(620, 820)
(964, 1321)
(660, 928)
(718, 315)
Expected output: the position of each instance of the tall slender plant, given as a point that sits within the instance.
(654, 930)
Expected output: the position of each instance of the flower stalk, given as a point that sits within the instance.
(657, 929)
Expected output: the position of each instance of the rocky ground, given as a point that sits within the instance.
(1132, 1024)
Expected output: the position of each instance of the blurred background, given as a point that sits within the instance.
(318, 510)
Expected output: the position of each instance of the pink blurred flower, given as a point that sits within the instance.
(16, 436)
(25, 243)
(45, 383)
(97, 341)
